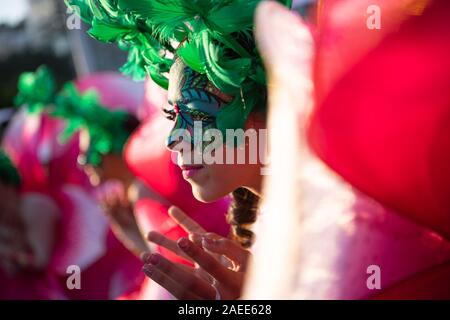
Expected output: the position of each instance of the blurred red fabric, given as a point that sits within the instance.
(383, 114)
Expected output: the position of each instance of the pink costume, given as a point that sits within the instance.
(49, 170)
(381, 121)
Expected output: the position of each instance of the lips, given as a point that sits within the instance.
(189, 171)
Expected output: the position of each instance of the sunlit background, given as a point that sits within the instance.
(35, 32)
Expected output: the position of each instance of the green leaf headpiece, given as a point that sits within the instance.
(106, 128)
(212, 37)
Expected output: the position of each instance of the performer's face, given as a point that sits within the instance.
(192, 97)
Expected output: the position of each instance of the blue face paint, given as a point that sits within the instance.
(193, 98)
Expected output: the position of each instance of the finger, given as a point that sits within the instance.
(196, 238)
(108, 201)
(207, 262)
(185, 222)
(169, 244)
(190, 281)
(229, 248)
(166, 282)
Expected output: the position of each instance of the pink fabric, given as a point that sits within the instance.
(48, 167)
(155, 99)
(383, 123)
(116, 91)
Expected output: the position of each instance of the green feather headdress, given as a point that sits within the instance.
(80, 111)
(213, 37)
(8, 172)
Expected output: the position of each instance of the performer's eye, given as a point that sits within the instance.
(200, 116)
(170, 114)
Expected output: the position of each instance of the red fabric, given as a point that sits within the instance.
(383, 114)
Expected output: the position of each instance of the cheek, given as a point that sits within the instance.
(215, 184)
(224, 178)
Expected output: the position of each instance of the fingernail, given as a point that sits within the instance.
(183, 243)
(148, 270)
(154, 259)
(145, 256)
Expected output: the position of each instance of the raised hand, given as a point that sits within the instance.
(123, 221)
(219, 263)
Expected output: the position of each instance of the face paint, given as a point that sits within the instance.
(193, 98)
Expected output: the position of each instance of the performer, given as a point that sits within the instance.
(95, 106)
(216, 77)
(28, 224)
(50, 168)
(148, 159)
(105, 165)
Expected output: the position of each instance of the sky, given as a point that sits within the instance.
(13, 11)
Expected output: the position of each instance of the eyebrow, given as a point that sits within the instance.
(179, 101)
(187, 100)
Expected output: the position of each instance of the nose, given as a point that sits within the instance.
(172, 142)
(178, 140)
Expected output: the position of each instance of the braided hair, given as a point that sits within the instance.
(242, 213)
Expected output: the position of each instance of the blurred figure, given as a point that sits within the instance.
(105, 122)
(28, 224)
(50, 167)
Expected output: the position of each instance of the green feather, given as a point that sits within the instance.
(81, 7)
(213, 37)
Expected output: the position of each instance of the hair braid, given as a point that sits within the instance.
(242, 213)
